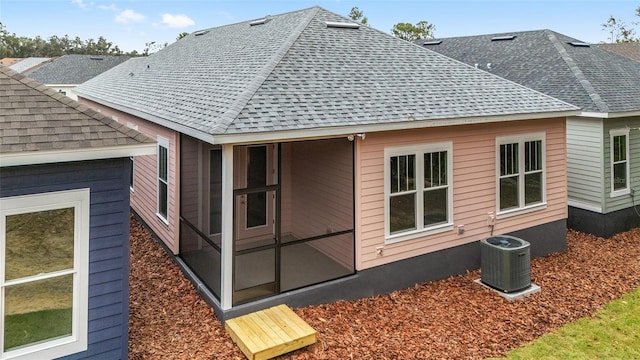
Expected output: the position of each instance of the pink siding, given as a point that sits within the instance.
(474, 182)
(144, 196)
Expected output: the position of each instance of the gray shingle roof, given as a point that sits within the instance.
(294, 72)
(35, 118)
(73, 69)
(587, 76)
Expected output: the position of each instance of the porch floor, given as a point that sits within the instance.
(271, 332)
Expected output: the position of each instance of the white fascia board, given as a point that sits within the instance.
(68, 155)
(319, 133)
(620, 114)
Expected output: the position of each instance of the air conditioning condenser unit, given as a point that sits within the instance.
(505, 263)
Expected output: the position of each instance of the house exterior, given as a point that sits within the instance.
(64, 220)
(303, 159)
(66, 72)
(603, 161)
(629, 49)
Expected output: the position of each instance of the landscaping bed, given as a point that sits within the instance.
(454, 318)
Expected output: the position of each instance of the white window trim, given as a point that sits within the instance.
(164, 143)
(627, 190)
(132, 158)
(80, 201)
(521, 139)
(418, 151)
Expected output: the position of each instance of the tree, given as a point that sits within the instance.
(357, 15)
(619, 31)
(181, 35)
(410, 32)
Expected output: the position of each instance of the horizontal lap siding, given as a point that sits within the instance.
(108, 241)
(625, 201)
(474, 186)
(585, 173)
(145, 194)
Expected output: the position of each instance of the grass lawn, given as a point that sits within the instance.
(613, 333)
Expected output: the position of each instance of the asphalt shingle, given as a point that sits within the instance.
(587, 76)
(37, 118)
(296, 72)
(73, 69)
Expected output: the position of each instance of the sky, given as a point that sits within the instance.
(131, 24)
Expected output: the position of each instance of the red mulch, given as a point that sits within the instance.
(453, 318)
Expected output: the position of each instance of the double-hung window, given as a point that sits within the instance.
(521, 172)
(44, 257)
(619, 143)
(418, 190)
(163, 178)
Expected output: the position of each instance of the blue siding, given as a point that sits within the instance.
(109, 241)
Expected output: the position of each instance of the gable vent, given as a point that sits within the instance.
(579, 44)
(200, 32)
(262, 21)
(433, 42)
(503, 38)
(342, 25)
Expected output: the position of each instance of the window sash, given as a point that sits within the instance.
(521, 174)
(55, 342)
(619, 162)
(163, 178)
(418, 191)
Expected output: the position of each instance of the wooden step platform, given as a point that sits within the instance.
(271, 332)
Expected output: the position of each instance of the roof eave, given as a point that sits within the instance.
(610, 115)
(318, 133)
(69, 155)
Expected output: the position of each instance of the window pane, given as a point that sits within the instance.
(435, 169)
(256, 209)
(256, 166)
(508, 159)
(38, 311)
(162, 198)
(402, 213)
(620, 176)
(619, 148)
(533, 155)
(435, 207)
(509, 192)
(533, 188)
(39, 242)
(402, 173)
(131, 171)
(162, 163)
(215, 192)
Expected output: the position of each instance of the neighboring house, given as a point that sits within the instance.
(64, 220)
(64, 73)
(630, 49)
(603, 142)
(28, 63)
(303, 159)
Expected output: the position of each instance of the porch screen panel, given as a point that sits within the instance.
(318, 245)
(200, 210)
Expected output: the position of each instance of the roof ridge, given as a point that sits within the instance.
(575, 70)
(82, 108)
(234, 110)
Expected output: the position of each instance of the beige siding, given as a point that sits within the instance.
(474, 186)
(145, 194)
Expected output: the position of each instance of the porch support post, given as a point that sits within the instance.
(226, 261)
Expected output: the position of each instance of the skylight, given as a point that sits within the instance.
(503, 38)
(579, 44)
(262, 21)
(432, 42)
(342, 25)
